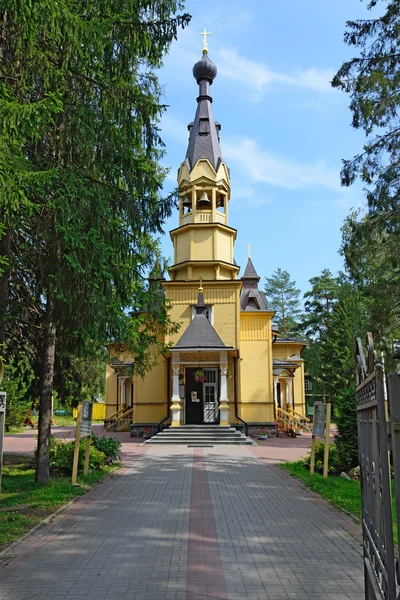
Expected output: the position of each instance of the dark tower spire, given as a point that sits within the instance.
(204, 131)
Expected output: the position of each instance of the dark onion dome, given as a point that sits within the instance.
(204, 69)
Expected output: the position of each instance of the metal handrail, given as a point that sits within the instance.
(246, 425)
(158, 424)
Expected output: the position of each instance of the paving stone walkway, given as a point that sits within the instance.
(190, 524)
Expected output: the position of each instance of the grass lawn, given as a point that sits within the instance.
(24, 503)
(341, 492)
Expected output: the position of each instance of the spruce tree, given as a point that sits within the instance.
(87, 201)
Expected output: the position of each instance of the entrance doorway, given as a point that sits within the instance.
(201, 397)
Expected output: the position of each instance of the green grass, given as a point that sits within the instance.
(342, 493)
(24, 503)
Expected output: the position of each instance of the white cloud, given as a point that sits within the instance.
(173, 128)
(278, 170)
(257, 76)
(251, 195)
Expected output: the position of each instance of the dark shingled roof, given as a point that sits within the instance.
(204, 131)
(250, 272)
(200, 335)
(251, 298)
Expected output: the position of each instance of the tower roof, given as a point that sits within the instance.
(251, 298)
(250, 272)
(204, 131)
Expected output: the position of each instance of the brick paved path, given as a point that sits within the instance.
(190, 524)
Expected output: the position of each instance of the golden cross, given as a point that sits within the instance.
(248, 250)
(205, 33)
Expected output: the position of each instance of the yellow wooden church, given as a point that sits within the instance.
(228, 364)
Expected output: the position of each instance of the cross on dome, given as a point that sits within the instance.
(248, 250)
(205, 33)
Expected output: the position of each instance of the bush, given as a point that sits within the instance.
(333, 459)
(346, 439)
(62, 455)
(110, 446)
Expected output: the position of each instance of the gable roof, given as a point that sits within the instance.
(200, 334)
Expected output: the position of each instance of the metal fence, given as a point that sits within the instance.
(378, 444)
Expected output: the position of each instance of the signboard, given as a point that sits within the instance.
(319, 421)
(321, 427)
(194, 397)
(3, 398)
(86, 423)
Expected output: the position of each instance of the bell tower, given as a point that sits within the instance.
(203, 242)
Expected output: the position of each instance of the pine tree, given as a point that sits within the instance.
(283, 298)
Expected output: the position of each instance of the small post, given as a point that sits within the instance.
(2, 425)
(327, 432)
(77, 442)
(312, 460)
(87, 455)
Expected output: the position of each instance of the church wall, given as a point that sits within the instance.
(225, 323)
(256, 397)
(299, 393)
(224, 246)
(150, 396)
(111, 391)
(203, 243)
(182, 247)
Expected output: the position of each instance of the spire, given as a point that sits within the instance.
(250, 274)
(204, 131)
(251, 299)
(200, 306)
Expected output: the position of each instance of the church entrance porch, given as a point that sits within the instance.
(201, 396)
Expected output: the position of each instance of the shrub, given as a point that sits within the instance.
(62, 455)
(333, 459)
(110, 446)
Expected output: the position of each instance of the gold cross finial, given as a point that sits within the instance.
(205, 33)
(201, 283)
(248, 250)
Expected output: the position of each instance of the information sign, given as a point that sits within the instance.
(319, 421)
(321, 427)
(86, 423)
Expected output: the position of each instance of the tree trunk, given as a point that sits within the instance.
(46, 389)
(4, 279)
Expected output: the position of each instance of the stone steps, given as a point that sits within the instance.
(200, 435)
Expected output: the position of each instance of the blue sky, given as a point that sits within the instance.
(284, 129)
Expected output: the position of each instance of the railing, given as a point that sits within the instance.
(113, 416)
(159, 425)
(287, 422)
(119, 418)
(304, 421)
(203, 217)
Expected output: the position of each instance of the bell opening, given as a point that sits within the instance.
(203, 203)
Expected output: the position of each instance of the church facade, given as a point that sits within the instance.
(227, 364)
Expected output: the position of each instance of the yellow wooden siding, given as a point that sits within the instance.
(182, 246)
(224, 245)
(98, 414)
(203, 243)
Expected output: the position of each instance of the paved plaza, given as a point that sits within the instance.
(190, 524)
